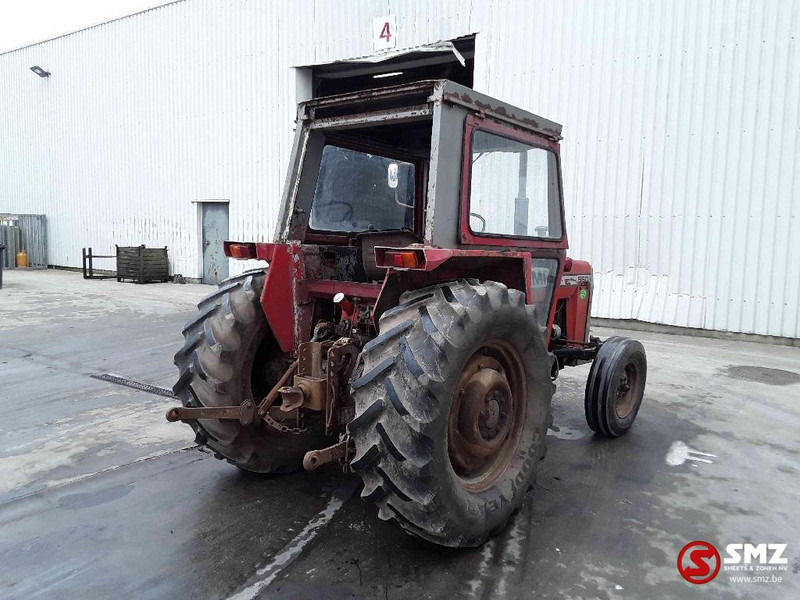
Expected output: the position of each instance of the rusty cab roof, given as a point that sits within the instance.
(412, 101)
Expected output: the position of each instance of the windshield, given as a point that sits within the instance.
(357, 191)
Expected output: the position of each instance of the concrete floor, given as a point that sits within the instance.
(100, 497)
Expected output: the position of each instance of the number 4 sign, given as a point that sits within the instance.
(384, 33)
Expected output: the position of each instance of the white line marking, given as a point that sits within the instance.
(267, 574)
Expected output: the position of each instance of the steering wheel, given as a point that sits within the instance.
(345, 207)
(481, 219)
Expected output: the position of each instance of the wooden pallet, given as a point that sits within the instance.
(142, 265)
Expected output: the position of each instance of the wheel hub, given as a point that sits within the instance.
(626, 391)
(485, 406)
(490, 415)
(486, 415)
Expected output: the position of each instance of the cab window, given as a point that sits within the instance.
(358, 191)
(514, 189)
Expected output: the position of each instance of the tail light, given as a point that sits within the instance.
(403, 259)
(240, 251)
(400, 258)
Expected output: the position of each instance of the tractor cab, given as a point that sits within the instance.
(408, 185)
(434, 158)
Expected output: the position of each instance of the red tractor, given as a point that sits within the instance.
(417, 306)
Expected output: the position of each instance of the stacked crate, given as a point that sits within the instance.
(142, 265)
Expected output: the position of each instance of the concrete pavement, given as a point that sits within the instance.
(100, 497)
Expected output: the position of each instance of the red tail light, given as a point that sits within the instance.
(403, 259)
(240, 251)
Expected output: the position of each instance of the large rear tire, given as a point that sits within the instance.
(230, 355)
(452, 409)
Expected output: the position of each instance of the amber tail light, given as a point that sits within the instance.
(399, 258)
(240, 251)
(402, 260)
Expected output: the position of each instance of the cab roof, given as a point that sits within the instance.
(422, 96)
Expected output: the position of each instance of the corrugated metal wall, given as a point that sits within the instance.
(681, 124)
(24, 232)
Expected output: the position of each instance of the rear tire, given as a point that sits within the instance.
(615, 386)
(408, 381)
(230, 355)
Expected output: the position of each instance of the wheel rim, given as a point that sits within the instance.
(487, 415)
(627, 391)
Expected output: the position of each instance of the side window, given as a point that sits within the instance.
(543, 282)
(514, 188)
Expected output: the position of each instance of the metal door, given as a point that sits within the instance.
(215, 231)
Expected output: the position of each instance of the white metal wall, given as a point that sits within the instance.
(681, 123)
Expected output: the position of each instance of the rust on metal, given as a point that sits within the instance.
(341, 361)
(627, 390)
(244, 413)
(292, 398)
(307, 392)
(316, 458)
(487, 415)
(500, 111)
(309, 389)
(394, 91)
(319, 389)
(412, 113)
(270, 398)
(278, 422)
(309, 357)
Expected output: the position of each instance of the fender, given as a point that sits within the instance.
(425, 265)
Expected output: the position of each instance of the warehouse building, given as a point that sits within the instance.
(173, 127)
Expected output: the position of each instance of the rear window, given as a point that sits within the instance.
(357, 191)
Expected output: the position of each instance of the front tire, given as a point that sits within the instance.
(452, 408)
(230, 355)
(615, 386)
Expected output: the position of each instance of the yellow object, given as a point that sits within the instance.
(22, 259)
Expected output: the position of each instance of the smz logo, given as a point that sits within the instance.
(699, 562)
(765, 554)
